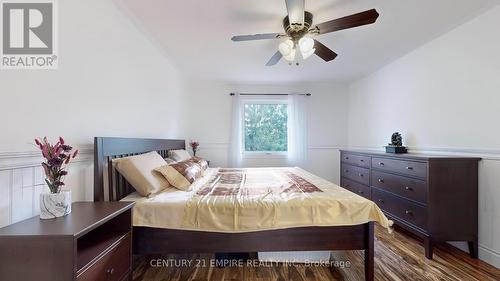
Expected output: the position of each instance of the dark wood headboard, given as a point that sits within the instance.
(107, 149)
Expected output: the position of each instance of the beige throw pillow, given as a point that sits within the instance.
(179, 155)
(139, 171)
(182, 174)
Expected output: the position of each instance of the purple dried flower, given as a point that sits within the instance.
(66, 148)
(46, 169)
(56, 161)
(57, 157)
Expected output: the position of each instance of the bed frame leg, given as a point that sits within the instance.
(428, 247)
(369, 251)
(473, 248)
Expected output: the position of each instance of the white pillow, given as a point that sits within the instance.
(170, 160)
(139, 171)
(179, 155)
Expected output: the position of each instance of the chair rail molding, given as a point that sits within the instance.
(26, 159)
(225, 145)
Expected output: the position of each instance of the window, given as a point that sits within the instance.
(265, 126)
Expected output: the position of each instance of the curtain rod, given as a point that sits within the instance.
(248, 94)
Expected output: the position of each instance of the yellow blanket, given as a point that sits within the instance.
(245, 200)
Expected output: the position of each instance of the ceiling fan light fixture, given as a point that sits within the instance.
(286, 47)
(306, 46)
(307, 54)
(291, 56)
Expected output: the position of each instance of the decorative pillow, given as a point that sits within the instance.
(179, 155)
(200, 161)
(139, 171)
(182, 174)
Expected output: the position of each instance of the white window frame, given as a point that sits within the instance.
(262, 100)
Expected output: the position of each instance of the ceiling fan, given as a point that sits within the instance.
(299, 30)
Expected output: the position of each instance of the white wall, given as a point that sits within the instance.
(111, 81)
(209, 121)
(443, 97)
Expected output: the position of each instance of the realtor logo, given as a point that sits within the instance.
(28, 35)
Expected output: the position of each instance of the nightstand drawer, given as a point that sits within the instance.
(401, 208)
(411, 168)
(360, 189)
(113, 265)
(358, 174)
(407, 187)
(358, 160)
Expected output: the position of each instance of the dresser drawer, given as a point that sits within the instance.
(358, 160)
(411, 168)
(360, 189)
(358, 174)
(401, 208)
(407, 187)
(112, 266)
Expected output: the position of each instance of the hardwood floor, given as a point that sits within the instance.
(398, 256)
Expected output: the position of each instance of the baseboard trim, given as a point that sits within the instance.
(486, 254)
(489, 255)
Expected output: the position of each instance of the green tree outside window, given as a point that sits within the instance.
(266, 127)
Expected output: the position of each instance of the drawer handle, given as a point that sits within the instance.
(408, 188)
(360, 175)
(408, 212)
(346, 158)
(381, 163)
(110, 271)
(362, 160)
(380, 180)
(409, 168)
(347, 171)
(381, 201)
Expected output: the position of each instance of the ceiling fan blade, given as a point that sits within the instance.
(363, 18)
(274, 59)
(256, 37)
(323, 51)
(295, 10)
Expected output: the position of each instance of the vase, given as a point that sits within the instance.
(54, 205)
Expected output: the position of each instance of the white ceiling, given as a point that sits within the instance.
(195, 35)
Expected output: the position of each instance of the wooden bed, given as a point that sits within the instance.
(149, 240)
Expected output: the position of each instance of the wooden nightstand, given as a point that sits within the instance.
(94, 242)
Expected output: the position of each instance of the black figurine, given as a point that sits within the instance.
(396, 145)
(396, 139)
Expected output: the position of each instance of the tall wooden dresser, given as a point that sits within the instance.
(434, 197)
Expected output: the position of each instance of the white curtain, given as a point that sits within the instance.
(297, 130)
(236, 140)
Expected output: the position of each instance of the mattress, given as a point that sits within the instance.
(255, 199)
